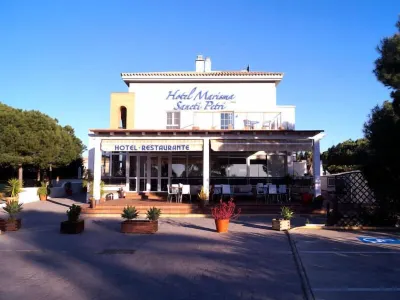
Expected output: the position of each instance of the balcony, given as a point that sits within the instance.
(276, 120)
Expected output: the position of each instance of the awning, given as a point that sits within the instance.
(135, 145)
(261, 145)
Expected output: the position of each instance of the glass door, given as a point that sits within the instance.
(142, 173)
(154, 173)
(132, 172)
(164, 167)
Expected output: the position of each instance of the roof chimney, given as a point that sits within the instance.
(200, 63)
(207, 65)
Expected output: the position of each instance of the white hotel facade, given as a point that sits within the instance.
(201, 127)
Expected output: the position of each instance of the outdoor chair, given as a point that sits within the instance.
(282, 191)
(172, 192)
(226, 190)
(272, 192)
(217, 191)
(260, 191)
(186, 191)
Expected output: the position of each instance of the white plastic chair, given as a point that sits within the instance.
(226, 190)
(260, 191)
(172, 192)
(186, 191)
(282, 191)
(272, 191)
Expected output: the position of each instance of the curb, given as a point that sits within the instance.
(305, 284)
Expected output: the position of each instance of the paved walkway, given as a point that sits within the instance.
(340, 266)
(186, 259)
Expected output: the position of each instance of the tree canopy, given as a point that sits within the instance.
(33, 138)
(346, 156)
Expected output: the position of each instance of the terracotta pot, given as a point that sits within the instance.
(7, 225)
(139, 226)
(222, 225)
(72, 227)
(43, 197)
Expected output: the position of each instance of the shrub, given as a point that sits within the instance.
(286, 213)
(203, 195)
(225, 210)
(13, 208)
(130, 213)
(73, 213)
(153, 214)
(13, 187)
(102, 191)
(43, 190)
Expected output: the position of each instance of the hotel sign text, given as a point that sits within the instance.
(129, 147)
(200, 100)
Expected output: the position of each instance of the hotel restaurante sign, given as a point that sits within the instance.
(151, 145)
(197, 99)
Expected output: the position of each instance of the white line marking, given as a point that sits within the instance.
(392, 289)
(351, 252)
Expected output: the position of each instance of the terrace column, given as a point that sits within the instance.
(206, 165)
(97, 169)
(316, 168)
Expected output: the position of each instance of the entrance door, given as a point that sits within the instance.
(142, 173)
(132, 179)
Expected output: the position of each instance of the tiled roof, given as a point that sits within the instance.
(203, 74)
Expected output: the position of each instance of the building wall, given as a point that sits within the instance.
(246, 100)
(116, 102)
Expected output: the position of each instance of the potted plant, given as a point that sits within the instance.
(13, 208)
(42, 192)
(222, 213)
(283, 223)
(68, 188)
(74, 225)
(102, 191)
(203, 197)
(13, 188)
(130, 225)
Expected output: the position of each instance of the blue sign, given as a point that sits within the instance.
(205, 100)
(379, 240)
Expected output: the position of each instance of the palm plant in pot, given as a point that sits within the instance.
(222, 213)
(283, 223)
(13, 188)
(73, 225)
(43, 192)
(131, 225)
(13, 208)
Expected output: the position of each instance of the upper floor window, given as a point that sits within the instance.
(173, 120)
(122, 123)
(227, 120)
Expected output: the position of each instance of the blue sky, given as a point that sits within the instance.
(64, 58)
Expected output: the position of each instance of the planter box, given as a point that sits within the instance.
(6, 225)
(72, 227)
(139, 226)
(280, 224)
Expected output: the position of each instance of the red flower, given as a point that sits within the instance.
(225, 210)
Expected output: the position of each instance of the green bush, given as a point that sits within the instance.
(73, 213)
(43, 190)
(153, 214)
(286, 213)
(13, 208)
(130, 213)
(13, 187)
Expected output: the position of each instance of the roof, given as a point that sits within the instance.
(275, 77)
(202, 74)
(303, 134)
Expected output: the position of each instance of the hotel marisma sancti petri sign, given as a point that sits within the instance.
(151, 145)
(197, 99)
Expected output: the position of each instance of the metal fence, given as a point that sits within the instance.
(353, 200)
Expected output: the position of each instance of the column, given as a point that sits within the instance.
(97, 169)
(206, 165)
(316, 168)
(90, 162)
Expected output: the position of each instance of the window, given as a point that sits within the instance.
(173, 120)
(227, 120)
(122, 124)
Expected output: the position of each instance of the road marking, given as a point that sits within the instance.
(351, 252)
(392, 289)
